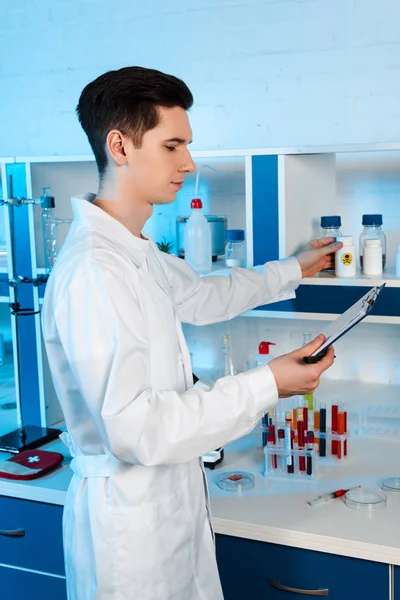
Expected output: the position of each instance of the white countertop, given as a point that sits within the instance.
(276, 510)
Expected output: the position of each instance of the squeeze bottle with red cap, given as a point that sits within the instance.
(197, 239)
(263, 357)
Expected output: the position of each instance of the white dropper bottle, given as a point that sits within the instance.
(197, 239)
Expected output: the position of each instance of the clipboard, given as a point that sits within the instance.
(345, 322)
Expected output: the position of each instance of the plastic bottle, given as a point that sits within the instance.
(235, 254)
(197, 239)
(49, 230)
(330, 227)
(372, 230)
(398, 262)
(372, 263)
(263, 357)
(345, 260)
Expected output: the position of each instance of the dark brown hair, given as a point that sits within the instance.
(127, 100)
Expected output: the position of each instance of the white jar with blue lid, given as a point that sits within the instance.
(372, 230)
(235, 251)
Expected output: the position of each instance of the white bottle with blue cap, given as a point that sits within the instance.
(372, 231)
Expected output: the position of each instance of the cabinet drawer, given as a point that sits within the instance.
(41, 546)
(396, 595)
(248, 568)
(23, 585)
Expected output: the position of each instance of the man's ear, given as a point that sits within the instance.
(116, 147)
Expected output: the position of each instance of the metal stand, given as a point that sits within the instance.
(27, 436)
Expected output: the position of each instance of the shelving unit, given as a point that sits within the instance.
(277, 196)
(362, 280)
(313, 316)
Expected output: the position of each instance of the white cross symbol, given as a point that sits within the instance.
(33, 459)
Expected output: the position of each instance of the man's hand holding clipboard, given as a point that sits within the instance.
(345, 322)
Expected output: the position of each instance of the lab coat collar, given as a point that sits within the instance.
(94, 218)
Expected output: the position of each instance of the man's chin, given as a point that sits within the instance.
(166, 200)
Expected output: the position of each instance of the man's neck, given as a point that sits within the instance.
(132, 215)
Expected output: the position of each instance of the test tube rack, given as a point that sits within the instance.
(331, 445)
(285, 457)
(294, 463)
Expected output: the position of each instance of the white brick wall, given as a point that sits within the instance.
(263, 72)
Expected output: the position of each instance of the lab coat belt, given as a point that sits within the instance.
(91, 466)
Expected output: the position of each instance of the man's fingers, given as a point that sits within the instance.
(327, 360)
(320, 243)
(312, 346)
(331, 248)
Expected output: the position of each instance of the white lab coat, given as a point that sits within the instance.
(137, 519)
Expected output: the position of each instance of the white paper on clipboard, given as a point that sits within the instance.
(348, 319)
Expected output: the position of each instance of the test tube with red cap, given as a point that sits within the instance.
(271, 443)
(281, 445)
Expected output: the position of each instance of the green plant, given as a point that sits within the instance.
(165, 246)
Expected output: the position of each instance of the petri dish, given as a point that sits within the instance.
(391, 484)
(365, 498)
(235, 481)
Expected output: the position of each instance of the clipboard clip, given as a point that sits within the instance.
(373, 296)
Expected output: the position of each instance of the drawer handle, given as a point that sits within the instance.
(286, 588)
(14, 533)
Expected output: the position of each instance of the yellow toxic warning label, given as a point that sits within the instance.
(347, 258)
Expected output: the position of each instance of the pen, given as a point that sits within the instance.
(327, 497)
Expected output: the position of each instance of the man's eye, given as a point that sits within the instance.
(171, 148)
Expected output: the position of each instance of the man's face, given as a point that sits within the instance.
(155, 171)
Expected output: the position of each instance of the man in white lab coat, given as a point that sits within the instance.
(137, 518)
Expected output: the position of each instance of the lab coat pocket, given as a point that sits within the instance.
(154, 548)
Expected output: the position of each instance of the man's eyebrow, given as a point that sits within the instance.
(178, 140)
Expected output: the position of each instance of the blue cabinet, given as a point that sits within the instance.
(396, 595)
(40, 546)
(31, 551)
(252, 569)
(16, 584)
